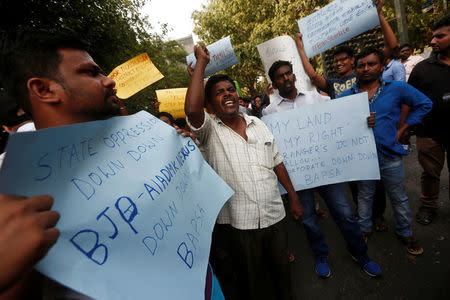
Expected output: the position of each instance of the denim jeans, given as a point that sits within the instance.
(393, 178)
(342, 214)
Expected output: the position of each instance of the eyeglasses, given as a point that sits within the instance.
(341, 59)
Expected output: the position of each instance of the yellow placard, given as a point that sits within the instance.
(172, 101)
(134, 75)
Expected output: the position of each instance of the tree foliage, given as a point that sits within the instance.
(115, 30)
(251, 22)
(419, 23)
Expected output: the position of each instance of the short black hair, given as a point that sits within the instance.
(180, 122)
(445, 21)
(9, 111)
(406, 45)
(33, 53)
(344, 49)
(276, 65)
(371, 50)
(212, 81)
(167, 115)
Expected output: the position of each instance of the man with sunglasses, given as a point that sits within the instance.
(344, 60)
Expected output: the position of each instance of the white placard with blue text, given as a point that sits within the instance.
(336, 23)
(221, 56)
(284, 48)
(137, 201)
(327, 142)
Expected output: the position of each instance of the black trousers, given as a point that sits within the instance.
(252, 264)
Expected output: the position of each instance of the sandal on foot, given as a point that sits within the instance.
(412, 245)
(380, 224)
(425, 215)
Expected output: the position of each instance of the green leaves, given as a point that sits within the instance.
(249, 23)
(115, 29)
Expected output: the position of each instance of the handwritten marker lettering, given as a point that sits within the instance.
(126, 187)
(336, 23)
(326, 143)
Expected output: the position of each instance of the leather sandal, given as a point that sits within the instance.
(412, 245)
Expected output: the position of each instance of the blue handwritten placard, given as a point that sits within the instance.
(221, 54)
(326, 143)
(336, 23)
(137, 201)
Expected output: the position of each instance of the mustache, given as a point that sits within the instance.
(110, 92)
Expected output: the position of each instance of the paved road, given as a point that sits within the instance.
(405, 276)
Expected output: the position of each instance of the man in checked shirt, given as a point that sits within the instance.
(249, 248)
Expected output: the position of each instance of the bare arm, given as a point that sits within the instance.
(295, 206)
(318, 80)
(402, 127)
(190, 69)
(390, 40)
(195, 96)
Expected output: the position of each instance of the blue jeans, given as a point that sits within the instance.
(342, 214)
(393, 178)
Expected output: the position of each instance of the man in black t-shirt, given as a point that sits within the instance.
(432, 77)
(344, 60)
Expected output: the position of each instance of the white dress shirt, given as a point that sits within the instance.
(278, 103)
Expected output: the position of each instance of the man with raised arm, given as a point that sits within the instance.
(250, 238)
(344, 60)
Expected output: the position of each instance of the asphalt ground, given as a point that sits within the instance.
(404, 276)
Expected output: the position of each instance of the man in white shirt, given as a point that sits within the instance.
(250, 239)
(408, 60)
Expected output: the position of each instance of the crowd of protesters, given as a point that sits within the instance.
(53, 81)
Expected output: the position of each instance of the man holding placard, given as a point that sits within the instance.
(386, 99)
(58, 82)
(250, 237)
(71, 89)
(283, 79)
(344, 60)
